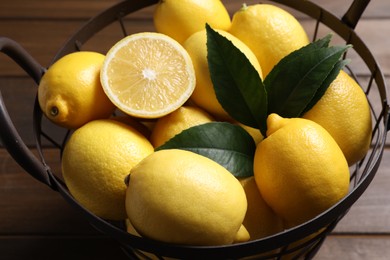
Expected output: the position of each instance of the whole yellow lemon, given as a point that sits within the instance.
(70, 93)
(345, 113)
(174, 123)
(96, 159)
(299, 169)
(181, 18)
(269, 31)
(260, 220)
(133, 122)
(204, 95)
(178, 196)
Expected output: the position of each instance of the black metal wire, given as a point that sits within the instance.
(264, 248)
(363, 173)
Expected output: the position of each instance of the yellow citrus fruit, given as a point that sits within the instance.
(254, 132)
(70, 93)
(260, 220)
(269, 31)
(135, 123)
(178, 196)
(148, 75)
(299, 169)
(130, 229)
(96, 159)
(242, 235)
(344, 112)
(204, 95)
(181, 18)
(174, 123)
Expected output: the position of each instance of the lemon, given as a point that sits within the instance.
(254, 132)
(344, 112)
(269, 31)
(299, 169)
(148, 75)
(130, 229)
(179, 19)
(260, 220)
(174, 123)
(96, 159)
(133, 122)
(178, 196)
(242, 235)
(70, 93)
(204, 95)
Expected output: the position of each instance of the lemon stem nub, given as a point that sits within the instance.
(54, 111)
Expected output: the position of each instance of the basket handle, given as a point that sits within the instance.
(355, 11)
(8, 133)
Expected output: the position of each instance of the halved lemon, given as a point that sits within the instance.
(148, 75)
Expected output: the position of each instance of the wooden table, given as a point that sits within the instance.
(36, 223)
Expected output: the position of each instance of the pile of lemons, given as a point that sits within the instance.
(159, 84)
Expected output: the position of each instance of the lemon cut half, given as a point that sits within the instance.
(148, 75)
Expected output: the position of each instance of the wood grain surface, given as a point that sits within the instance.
(37, 223)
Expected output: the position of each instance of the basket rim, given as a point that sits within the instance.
(288, 236)
(328, 217)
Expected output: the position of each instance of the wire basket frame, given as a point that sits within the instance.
(300, 241)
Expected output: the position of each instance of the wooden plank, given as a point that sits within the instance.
(72, 9)
(57, 33)
(30, 207)
(30, 32)
(19, 95)
(377, 8)
(59, 248)
(371, 32)
(37, 223)
(371, 212)
(33, 35)
(374, 33)
(47, 9)
(64, 248)
(355, 248)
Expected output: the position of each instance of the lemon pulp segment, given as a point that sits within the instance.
(148, 75)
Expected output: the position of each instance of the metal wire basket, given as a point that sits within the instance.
(290, 242)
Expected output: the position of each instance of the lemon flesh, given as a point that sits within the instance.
(148, 75)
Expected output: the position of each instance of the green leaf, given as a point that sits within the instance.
(325, 84)
(295, 80)
(237, 84)
(320, 43)
(296, 56)
(227, 144)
